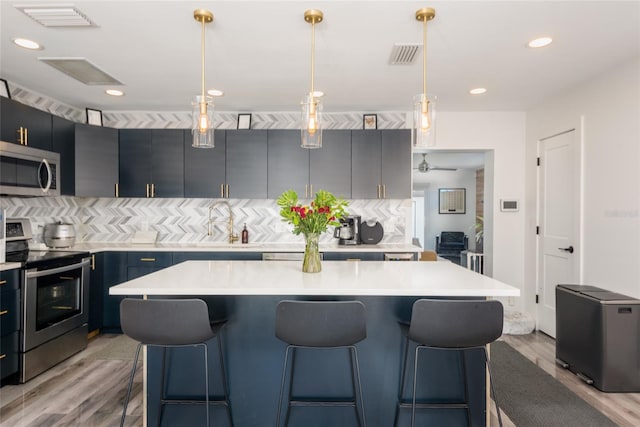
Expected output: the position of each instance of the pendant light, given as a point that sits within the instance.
(311, 128)
(202, 124)
(423, 132)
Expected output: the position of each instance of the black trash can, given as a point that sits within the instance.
(598, 336)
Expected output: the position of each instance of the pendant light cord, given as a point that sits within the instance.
(202, 54)
(313, 49)
(424, 57)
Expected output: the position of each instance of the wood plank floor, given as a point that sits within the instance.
(87, 389)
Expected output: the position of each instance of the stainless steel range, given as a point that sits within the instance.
(55, 300)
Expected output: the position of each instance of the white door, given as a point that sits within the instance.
(559, 222)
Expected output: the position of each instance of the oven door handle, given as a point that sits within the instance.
(32, 274)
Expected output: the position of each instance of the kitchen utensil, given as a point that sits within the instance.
(59, 235)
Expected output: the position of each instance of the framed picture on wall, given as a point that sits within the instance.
(452, 200)
(244, 121)
(370, 121)
(94, 117)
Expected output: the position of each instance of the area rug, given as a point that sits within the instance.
(531, 397)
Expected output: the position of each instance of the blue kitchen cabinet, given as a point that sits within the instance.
(205, 170)
(353, 256)
(115, 272)
(96, 286)
(24, 125)
(142, 263)
(9, 322)
(179, 257)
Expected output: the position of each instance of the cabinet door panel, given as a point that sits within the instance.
(63, 143)
(135, 162)
(204, 169)
(96, 161)
(330, 166)
(288, 164)
(246, 165)
(396, 164)
(366, 173)
(167, 162)
(16, 115)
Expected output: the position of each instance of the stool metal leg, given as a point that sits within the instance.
(354, 357)
(162, 397)
(415, 380)
(493, 390)
(284, 374)
(133, 373)
(463, 362)
(206, 378)
(402, 378)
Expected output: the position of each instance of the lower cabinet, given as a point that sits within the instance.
(179, 257)
(353, 256)
(115, 272)
(96, 289)
(9, 322)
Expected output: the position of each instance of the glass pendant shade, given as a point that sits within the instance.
(311, 127)
(202, 122)
(423, 133)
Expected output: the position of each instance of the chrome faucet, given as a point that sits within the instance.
(232, 237)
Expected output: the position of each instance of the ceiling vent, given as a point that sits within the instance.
(56, 15)
(404, 53)
(81, 70)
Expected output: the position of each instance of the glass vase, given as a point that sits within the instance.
(311, 262)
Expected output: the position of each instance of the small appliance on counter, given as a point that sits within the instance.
(371, 232)
(349, 231)
(59, 235)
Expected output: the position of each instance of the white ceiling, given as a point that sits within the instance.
(258, 52)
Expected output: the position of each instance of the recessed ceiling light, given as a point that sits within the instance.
(114, 92)
(540, 42)
(27, 44)
(215, 92)
(478, 91)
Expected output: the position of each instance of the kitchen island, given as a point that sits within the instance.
(246, 294)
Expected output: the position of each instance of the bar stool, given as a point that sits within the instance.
(451, 325)
(321, 325)
(172, 323)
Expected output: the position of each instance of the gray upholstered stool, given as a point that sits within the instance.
(451, 325)
(321, 324)
(172, 323)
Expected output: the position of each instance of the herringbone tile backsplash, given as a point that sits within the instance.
(185, 220)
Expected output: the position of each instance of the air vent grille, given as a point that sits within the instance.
(81, 70)
(56, 15)
(404, 53)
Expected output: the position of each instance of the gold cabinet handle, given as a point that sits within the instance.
(311, 190)
(26, 136)
(148, 259)
(222, 191)
(352, 259)
(378, 191)
(3, 282)
(227, 191)
(117, 190)
(21, 135)
(384, 191)
(66, 278)
(93, 261)
(147, 190)
(306, 190)
(153, 190)
(2, 356)
(3, 312)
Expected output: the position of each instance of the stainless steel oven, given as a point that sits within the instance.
(54, 295)
(55, 298)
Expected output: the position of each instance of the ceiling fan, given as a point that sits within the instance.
(424, 166)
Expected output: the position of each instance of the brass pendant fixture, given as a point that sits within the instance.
(311, 129)
(202, 113)
(423, 130)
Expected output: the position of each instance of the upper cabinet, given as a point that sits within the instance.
(307, 171)
(96, 161)
(381, 164)
(21, 124)
(151, 163)
(330, 166)
(63, 143)
(204, 168)
(246, 164)
(287, 164)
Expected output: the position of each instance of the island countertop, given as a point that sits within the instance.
(371, 278)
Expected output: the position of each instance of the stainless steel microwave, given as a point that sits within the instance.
(26, 171)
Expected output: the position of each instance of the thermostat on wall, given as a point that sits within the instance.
(509, 205)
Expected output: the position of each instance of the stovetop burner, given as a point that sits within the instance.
(38, 258)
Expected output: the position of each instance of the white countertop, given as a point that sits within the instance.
(236, 247)
(9, 265)
(356, 278)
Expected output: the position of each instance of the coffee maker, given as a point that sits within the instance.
(348, 232)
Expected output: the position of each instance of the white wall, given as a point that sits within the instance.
(503, 135)
(609, 107)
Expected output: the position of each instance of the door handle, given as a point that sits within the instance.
(569, 249)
